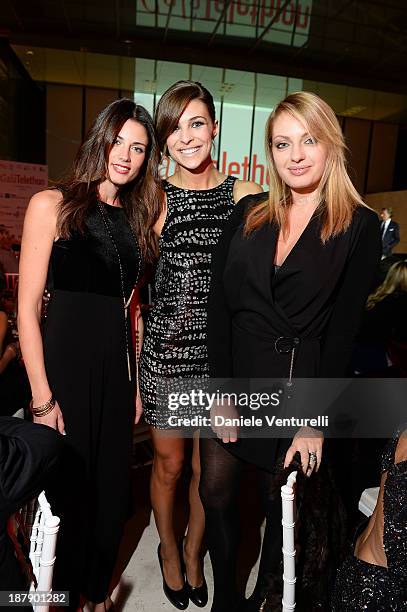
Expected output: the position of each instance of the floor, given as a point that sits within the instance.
(140, 584)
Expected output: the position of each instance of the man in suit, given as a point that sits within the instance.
(389, 231)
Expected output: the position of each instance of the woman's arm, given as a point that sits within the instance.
(38, 236)
(342, 326)
(349, 304)
(139, 327)
(159, 224)
(219, 320)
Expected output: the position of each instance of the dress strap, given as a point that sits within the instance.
(229, 185)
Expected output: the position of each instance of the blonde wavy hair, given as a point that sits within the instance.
(337, 197)
(396, 280)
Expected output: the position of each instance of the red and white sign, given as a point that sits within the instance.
(18, 182)
(281, 22)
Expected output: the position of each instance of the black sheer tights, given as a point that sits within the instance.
(219, 490)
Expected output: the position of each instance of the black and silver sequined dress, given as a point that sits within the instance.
(175, 342)
(364, 586)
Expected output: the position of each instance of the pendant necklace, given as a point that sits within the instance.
(126, 303)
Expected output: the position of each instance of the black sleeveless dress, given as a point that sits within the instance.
(174, 344)
(85, 350)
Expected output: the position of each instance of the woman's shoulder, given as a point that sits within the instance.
(46, 199)
(252, 199)
(242, 189)
(42, 213)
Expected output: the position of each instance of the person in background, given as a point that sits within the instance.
(198, 202)
(374, 575)
(8, 259)
(29, 456)
(290, 279)
(384, 322)
(14, 387)
(91, 237)
(389, 231)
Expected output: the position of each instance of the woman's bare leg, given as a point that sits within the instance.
(196, 527)
(167, 468)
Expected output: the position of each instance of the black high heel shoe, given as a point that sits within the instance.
(198, 595)
(180, 597)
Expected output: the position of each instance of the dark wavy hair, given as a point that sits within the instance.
(172, 104)
(141, 199)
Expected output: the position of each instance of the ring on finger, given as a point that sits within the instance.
(312, 457)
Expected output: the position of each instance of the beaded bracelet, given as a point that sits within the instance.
(44, 409)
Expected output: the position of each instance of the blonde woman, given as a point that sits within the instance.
(290, 280)
(395, 284)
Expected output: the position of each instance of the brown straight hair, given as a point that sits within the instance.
(172, 104)
(141, 199)
(337, 196)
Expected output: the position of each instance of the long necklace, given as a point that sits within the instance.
(126, 303)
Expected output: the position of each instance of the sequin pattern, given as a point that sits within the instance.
(175, 340)
(363, 586)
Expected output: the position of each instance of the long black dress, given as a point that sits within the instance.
(86, 363)
(314, 301)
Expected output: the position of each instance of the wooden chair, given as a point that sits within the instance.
(288, 523)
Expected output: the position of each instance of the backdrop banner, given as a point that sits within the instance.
(18, 182)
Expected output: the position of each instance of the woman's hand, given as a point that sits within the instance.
(308, 442)
(53, 419)
(227, 433)
(139, 407)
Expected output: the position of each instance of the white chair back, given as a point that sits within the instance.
(288, 522)
(368, 501)
(43, 532)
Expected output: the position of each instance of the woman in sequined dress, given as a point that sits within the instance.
(198, 202)
(91, 237)
(374, 576)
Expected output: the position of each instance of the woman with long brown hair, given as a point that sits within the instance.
(87, 240)
(198, 202)
(290, 279)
